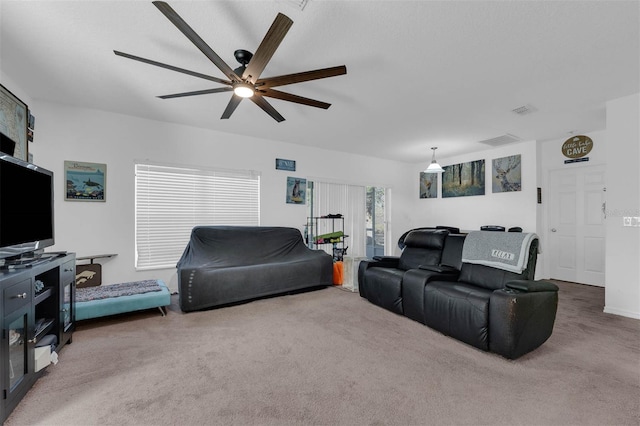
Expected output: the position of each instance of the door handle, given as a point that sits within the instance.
(553, 229)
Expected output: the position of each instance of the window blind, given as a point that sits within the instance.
(171, 200)
(348, 200)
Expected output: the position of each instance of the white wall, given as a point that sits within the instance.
(551, 158)
(507, 209)
(64, 133)
(90, 228)
(618, 148)
(622, 286)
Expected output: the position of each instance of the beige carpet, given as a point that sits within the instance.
(330, 357)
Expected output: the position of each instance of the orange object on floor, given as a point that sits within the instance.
(338, 273)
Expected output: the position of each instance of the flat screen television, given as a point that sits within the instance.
(26, 209)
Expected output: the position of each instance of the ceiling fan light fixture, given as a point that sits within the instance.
(244, 90)
(434, 167)
(245, 80)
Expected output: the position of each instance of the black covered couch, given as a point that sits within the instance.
(477, 294)
(222, 265)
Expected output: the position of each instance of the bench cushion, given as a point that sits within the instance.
(120, 299)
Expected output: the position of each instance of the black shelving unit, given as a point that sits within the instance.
(318, 226)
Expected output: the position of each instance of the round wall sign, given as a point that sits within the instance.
(577, 146)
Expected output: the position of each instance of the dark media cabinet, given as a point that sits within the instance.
(38, 300)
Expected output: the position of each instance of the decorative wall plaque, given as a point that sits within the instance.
(577, 146)
(282, 164)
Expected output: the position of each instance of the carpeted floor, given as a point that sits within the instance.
(330, 357)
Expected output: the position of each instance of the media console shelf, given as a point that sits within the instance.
(38, 305)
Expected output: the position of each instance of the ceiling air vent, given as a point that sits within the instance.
(524, 110)
(298, 4)
(501, 140)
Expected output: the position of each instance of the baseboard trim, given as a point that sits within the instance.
(621, 312)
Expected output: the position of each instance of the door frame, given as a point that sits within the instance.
(544, 223)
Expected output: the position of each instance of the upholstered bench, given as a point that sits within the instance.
(105, 300)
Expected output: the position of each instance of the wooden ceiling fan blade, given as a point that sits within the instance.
(266, 106)
(195, 39)
(197, 92)
(294, 98)
(267, 48)
(283, 80)
(231, 106)
(172, 68)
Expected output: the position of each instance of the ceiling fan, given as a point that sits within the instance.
(245, 81)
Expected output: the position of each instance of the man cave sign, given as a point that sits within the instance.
(577, 146)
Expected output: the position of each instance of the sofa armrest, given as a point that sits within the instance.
(531, 286)
(384, 262)
(521, 321)
(441, 269)
(386, 258)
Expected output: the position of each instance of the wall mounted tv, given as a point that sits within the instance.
(26, 209)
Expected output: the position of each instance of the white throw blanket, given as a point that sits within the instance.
(502, 250)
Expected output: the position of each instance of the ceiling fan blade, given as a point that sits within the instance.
(283, 80)
(231, 106)
(172, 68)
(267, 48)
(294, 98)
(195, 39)
(266, 106)
(197, 92)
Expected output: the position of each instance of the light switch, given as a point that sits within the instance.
(631, 221)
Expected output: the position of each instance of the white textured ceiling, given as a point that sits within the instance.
(420, 73)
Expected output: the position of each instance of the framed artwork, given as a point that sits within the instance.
(506, 174)
(463, 179)
(13, 122)
(85, 181)
(288, 165)
(296, 190)
(428, 185)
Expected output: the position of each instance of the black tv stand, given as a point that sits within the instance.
(38, 307)
(28, 260)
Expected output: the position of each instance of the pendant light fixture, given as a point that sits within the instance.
(434, 167)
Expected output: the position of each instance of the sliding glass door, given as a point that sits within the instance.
(376, 223)
(363, 209)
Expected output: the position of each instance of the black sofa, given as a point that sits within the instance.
(222, 265)
(478, 302)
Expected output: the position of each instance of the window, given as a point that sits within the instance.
(363, 209)
(171, 200)
(376, 222)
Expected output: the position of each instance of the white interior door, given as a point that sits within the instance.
(576, 225)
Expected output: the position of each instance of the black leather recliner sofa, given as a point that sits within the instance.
(384, 276)
(222, 265)
(503, 311)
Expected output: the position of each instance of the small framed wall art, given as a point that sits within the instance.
(507, 174)
(428, 185)
(288, 165)
(85, 181)
(13, 122)
(296, 190)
